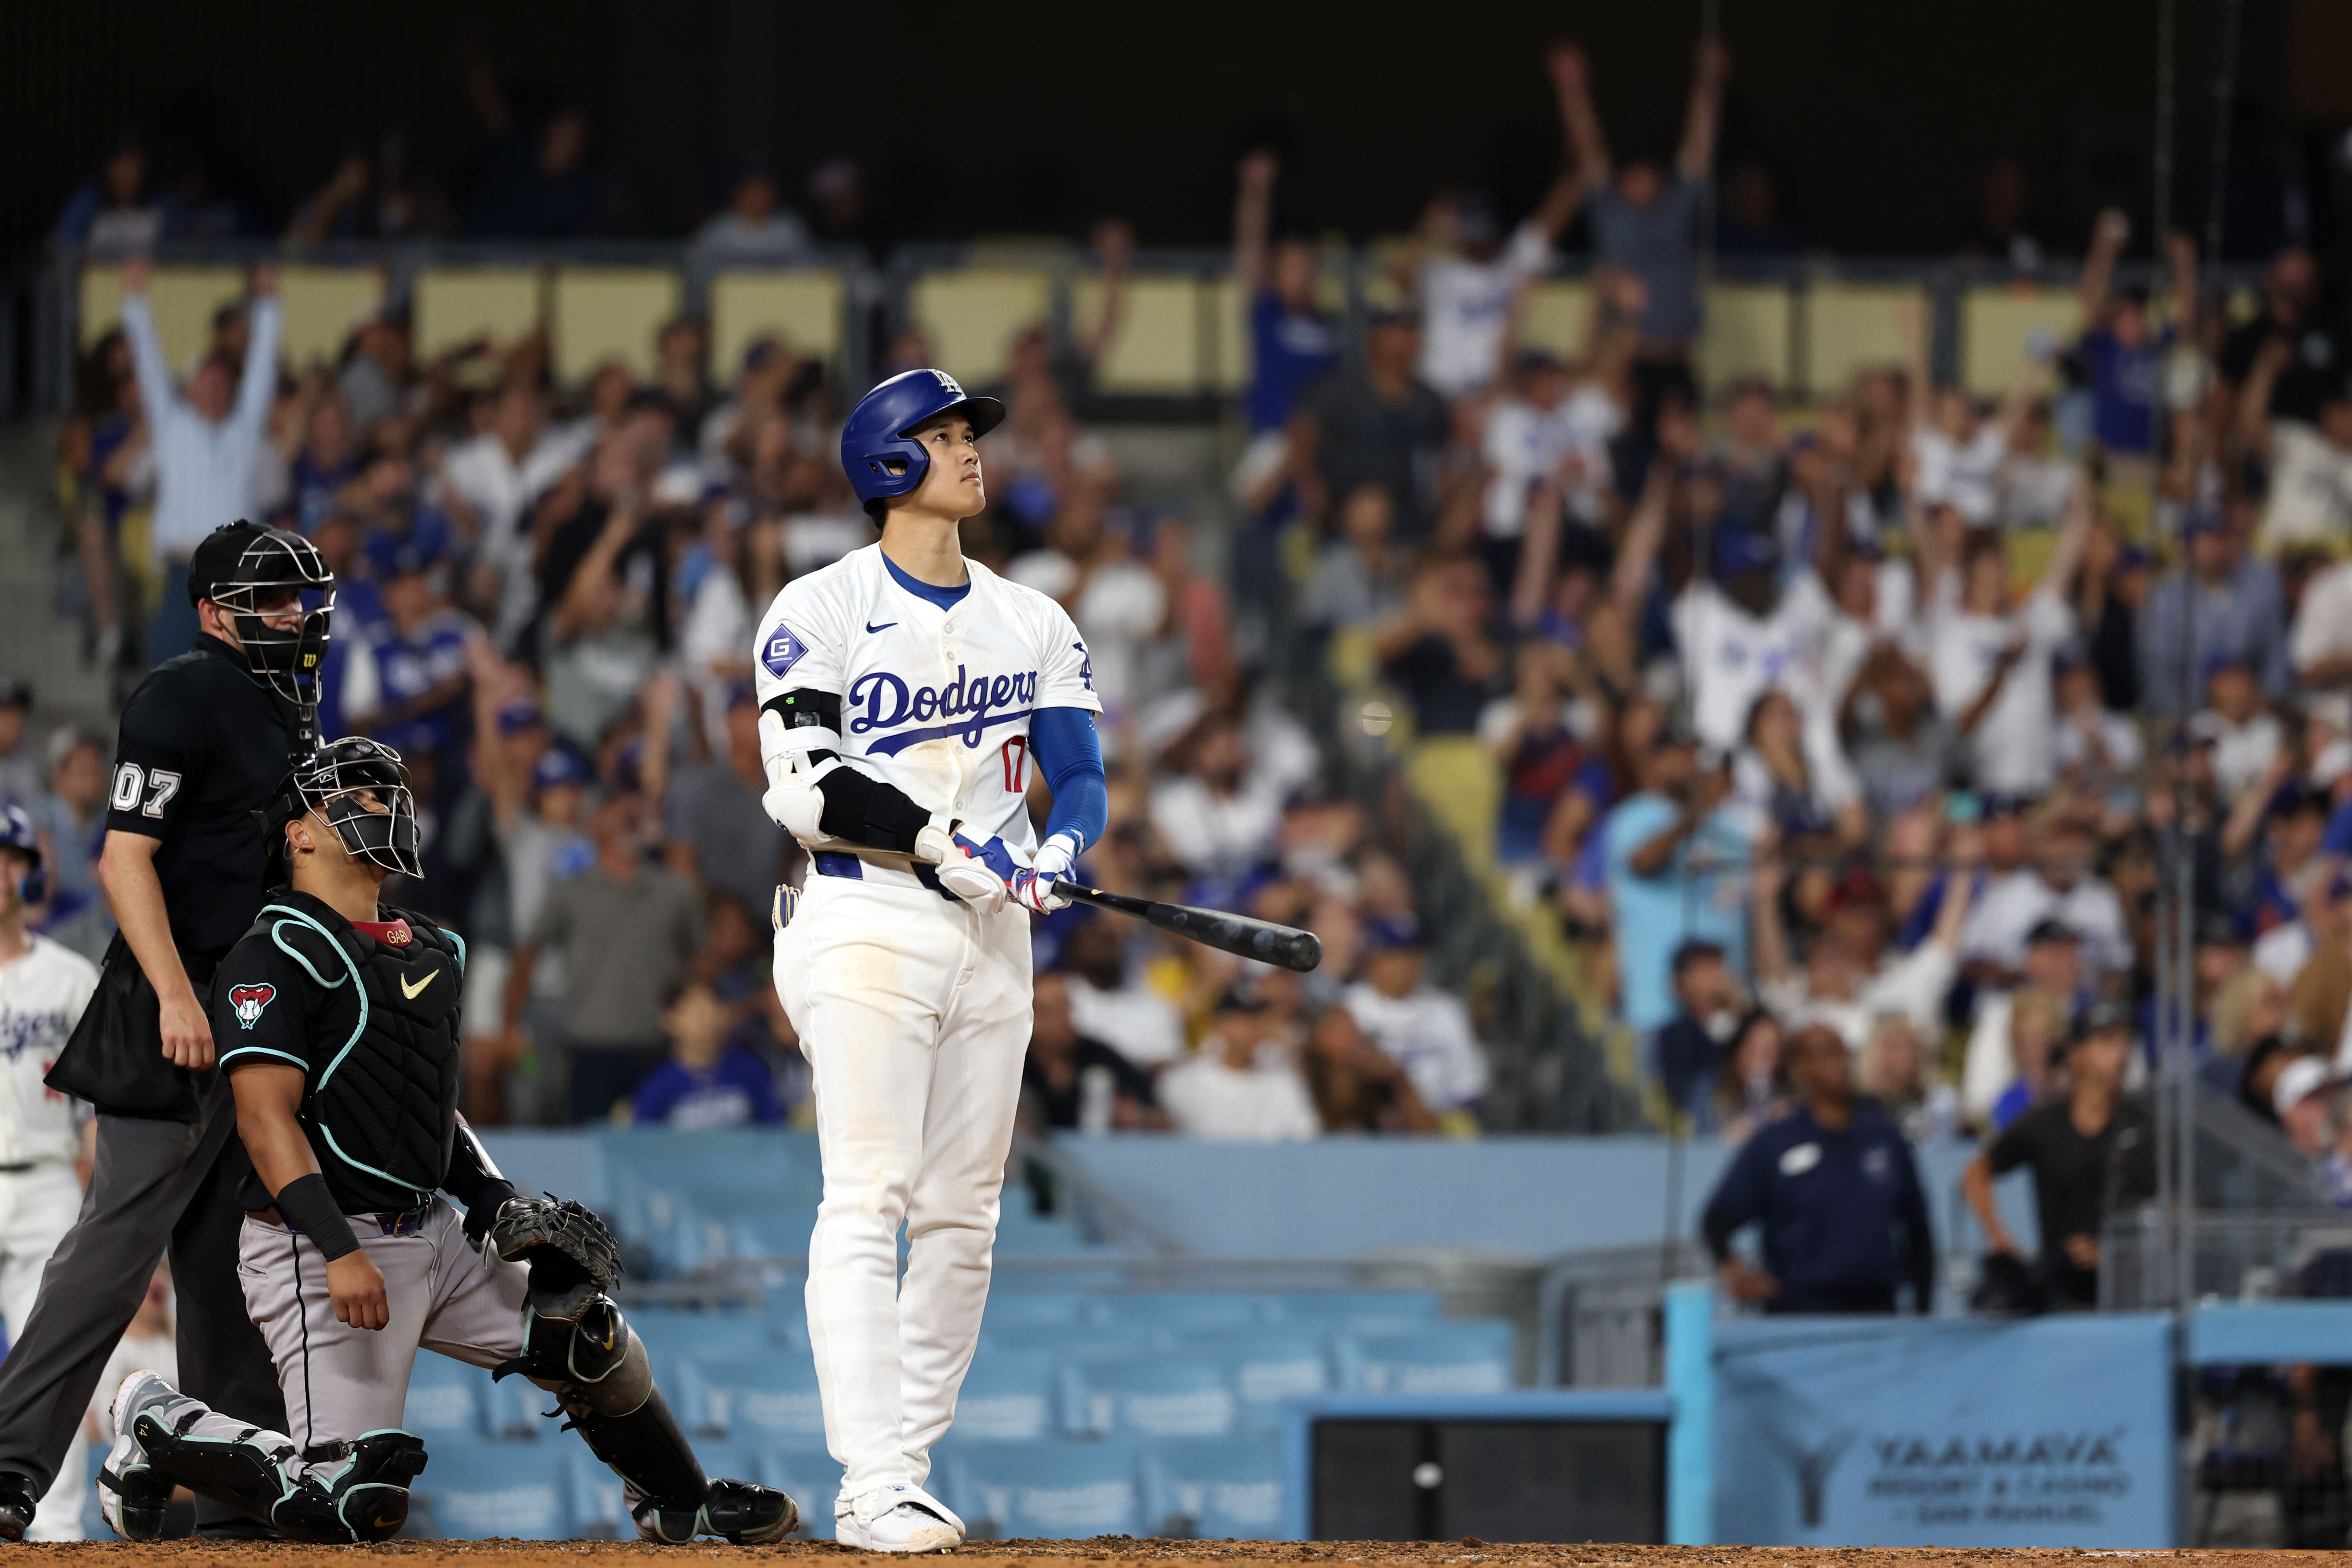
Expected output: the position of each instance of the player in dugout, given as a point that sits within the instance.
(204, 742)
(338, 1019)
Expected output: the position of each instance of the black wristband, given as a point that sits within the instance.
(482, 1208)
(306, 1205)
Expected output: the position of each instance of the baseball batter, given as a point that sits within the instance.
(338, 1022)
(43, 989)
(907, 696)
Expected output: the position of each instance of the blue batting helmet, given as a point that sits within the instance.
(878, 433)
(17, 832)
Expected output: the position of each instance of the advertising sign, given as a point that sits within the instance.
(1944, 1432)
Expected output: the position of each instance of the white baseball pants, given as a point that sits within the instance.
(37, 1208)
(913, 1011)
(340, 1381)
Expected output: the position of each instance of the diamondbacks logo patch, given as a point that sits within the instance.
(782, 651)
(247, 1001)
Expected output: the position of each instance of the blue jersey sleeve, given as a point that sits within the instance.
(1069, 754)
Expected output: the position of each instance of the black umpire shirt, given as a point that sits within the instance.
(203, 748)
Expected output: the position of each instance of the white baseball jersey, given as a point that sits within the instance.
(934, 701)
(41, 998)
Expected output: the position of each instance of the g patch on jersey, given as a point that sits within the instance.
(782, 652)
(247, 1001)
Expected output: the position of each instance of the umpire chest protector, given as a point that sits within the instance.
(382, 1040)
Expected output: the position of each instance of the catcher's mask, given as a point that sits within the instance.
(360, 788)
(255, 574)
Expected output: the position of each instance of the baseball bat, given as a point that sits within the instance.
(1260, 939)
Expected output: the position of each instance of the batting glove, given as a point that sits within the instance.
(962, 870)
(1051, 864)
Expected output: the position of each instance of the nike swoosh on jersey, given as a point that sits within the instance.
(413, 991)
(885, 626)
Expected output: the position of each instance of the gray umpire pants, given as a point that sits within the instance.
(155, 1186)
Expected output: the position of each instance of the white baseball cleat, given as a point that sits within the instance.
(897, 1519)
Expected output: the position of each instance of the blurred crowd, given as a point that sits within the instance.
(545, 601)
(1871, 721)
(1874, 716)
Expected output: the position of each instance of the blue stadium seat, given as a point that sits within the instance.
(1023, 1311)
(473, 1491)
(1441, 1359)
(1266, 1365)
(1020, 1234)
(514, 1409)
(1221, 1488)
(810, 1477)
(1357, 1311)
(592, 1493)
(1050, 1491)
(1186, 1312)
(447, 1399)
(770, 1400)
(1008, 1396)
(1156, 1398)
(1076, 1342)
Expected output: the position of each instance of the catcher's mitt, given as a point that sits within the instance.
(564, 1242)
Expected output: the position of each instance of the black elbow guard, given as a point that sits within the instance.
(863, 809)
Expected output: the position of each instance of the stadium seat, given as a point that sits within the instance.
(802, 307)
(324, 306)
(1008, 1396)
(1155, 349)
(592, 1492)
(1155, 1398)
(1020, 1235)
(182, 300)
(1441, 1359)
(514, 1409)
(1556, 318)
(769, 1399)
(1748, 332)
(1228, 1489)
(1076, 1342)
(455, 305)
(970, 316)
(1053, 1490)
(1456, 777)
(473, 1491)
(447, 1399)
(1183, 1311)
(1052, 1311)
(1997, 328)
(1266, 1365)
(1357, 1309)
(808, 1475)
(1854, 327)
(1229, 368)
(611, 314)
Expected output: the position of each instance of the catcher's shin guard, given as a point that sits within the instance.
(364, 1498)
(596, 1367)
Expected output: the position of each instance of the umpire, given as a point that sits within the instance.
(205, 742)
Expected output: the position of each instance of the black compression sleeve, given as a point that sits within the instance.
(305, 1204)
(865, 810)
(473, 1180)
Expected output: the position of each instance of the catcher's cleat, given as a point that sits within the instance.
(133, 1493)
(737, 1512)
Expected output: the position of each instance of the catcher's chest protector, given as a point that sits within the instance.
(382, 1109)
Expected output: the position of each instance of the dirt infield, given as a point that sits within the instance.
(1222, 1554)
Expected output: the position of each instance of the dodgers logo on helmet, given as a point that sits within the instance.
(782, 651)
(949, 383)
(247, 1001)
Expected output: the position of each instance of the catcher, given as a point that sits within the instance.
(338, 1021)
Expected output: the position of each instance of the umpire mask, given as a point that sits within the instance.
(339, 782)
(255, 574)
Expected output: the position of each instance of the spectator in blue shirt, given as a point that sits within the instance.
(2122, 352)
(406, 678)
(708, 1080)
(1292, 342)
(1677, 872)
(1836, 1190)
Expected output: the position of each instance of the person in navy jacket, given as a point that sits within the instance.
(1836, 1190)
